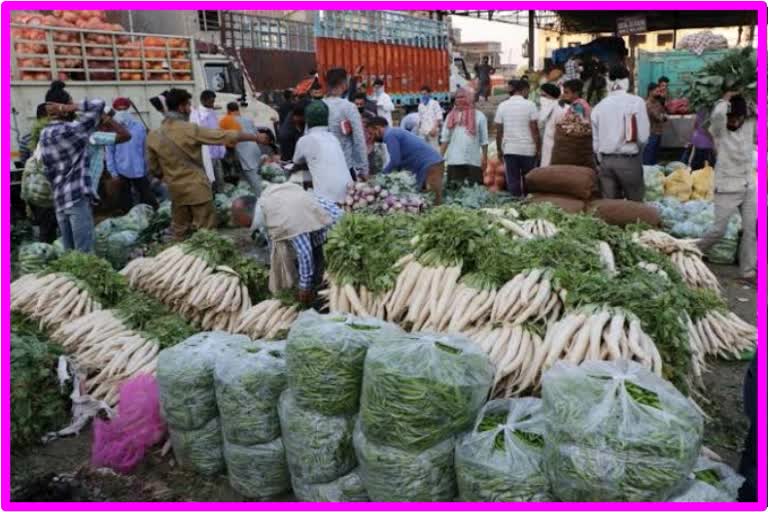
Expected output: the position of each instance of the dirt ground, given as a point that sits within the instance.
(60, 471)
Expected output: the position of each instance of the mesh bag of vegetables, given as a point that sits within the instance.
(116, 247)
(392, 474)
(616, 432)
(348, 488)
(711, 481)
(423, 390)
(501, 459)
(257, 471)
(318, 448)
(325, 356)
(199, 449)
(185, 378)
(34, 257)
(248, 384)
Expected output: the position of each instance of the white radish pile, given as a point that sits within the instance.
(105, 347)
(53, 299)
(213, 297)
(722, 334)
(539, 228)
(685, 255)
(529, 296)
(266, 320)
(598, 333)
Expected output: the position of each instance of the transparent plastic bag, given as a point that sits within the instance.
(711, 482)
(248, 384)
(348, 488)
(121, 443)
(392, 474)
(185, 378)
(258, 471)
(501, 459)
(199, 450)
(325, 356)
(423, 390)
(616, 432)
(654, 182)
(318, 448)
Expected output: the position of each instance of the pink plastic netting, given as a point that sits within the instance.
(120, 444)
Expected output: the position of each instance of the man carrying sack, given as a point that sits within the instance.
(295, 223)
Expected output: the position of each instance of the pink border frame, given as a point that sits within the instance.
(760, 7)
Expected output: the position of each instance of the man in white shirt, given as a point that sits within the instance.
(620, 129)
(321, 151)
(733, 131)
(517, 134)
(411, 119)
(384, 104)
(430, 117)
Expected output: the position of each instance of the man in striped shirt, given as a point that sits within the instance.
(295, 223)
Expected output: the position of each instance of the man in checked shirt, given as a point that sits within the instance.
(64, 151)
(295, 222)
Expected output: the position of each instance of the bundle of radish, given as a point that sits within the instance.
(539, 228)
(723, 334)
(269, 319)
(74, 285)
(530, 296)
(693, 270)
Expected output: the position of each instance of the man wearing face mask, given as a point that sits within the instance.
(126, 161)
(657, 115)
(175, 154)
(430, 117)
(733, 131)
(366, 107)
(620, 129)
(384, 104)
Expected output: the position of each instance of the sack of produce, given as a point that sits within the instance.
(392, 474)
(140, 216)
(726, 250)
(185, 378)
(348, 488)
(423, 390)
(572, 149)
(621, 212)
(711, 481)
(325, 356)
(199, 449)
(501, 459)
(116, 247)
(35, 256)
(258, 471)
(35, 185)
(654, 182)
(565, 180)
(703, 184)
(616, 432)
(565, 203)
(679, 184)
(318, 448)
(248, 383)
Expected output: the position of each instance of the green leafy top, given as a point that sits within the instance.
(736, 71)
(93, 274)
(153, 319)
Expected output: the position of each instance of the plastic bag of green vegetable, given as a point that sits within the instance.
(200, 449)
(34, 257)
(318, 448)
(501, 459)
(116, 247)
(422, 390)
(258, 471)
(348, 488)
(185, 378)
(140, 216)
(616, 432)
(325, 356)
(392, 474)
(711, 481)
(248, 384)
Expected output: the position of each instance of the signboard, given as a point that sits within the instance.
(631, 25)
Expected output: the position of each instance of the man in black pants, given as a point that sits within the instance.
(748, 465)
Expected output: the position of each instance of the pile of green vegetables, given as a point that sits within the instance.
(348, 488)
(325, 355)
(475, 196)
(737, 71)
(37, 404)
(501, 458)
(616, 432)
(153, 319)
(257, 471)
(421, 391)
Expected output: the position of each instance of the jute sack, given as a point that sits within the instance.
(621, 212)
(564, 180)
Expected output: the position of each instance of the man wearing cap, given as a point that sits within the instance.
(321, 151)
(126, 162)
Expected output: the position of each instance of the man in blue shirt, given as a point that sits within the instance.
(126, 161)
(409, 151)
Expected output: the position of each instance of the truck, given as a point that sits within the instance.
(111, 63)
(406, 51)
(677, 65)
